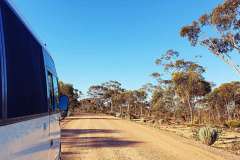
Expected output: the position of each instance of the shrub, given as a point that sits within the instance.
(233, 123)
(208, 135)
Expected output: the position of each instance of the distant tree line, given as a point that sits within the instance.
(111, 98)
(186, 96)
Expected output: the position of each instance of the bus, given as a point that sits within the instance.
(30, 110)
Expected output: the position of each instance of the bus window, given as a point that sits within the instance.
(26, 79)
(56, 92)
(53, 93)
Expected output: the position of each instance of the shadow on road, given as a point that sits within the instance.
(91, 118)
(77, 142)
(72, 138)
(77, 132)
(96, 142)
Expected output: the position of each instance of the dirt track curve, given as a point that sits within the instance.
(101, 137)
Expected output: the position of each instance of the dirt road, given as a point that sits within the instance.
(101, 137)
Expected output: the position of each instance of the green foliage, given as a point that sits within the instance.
(208, 135)
(233, 123)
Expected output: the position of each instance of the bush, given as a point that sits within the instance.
(208, 135)
(233, 123)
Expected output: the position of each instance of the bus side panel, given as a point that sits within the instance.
(27, 140)
(55, 129)
(55, 132)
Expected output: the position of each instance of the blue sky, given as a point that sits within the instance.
(93, 41)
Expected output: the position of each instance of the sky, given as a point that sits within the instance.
(93, 41)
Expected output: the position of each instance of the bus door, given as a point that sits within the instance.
(54, 116)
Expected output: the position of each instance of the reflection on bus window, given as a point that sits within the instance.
(53, 93)
(56, 93)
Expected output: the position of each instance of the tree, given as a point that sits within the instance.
(105, 93)
(98, 93)
(222, 25)
(132, 100)
(157, 102)
(190, 86)
(129, 100)
(119, 100)
(149, 89)
(225, 100)
(186, 81)
(141, 96)
(72, 93)
(113, 90)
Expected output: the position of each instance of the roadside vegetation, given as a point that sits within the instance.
(180, 99)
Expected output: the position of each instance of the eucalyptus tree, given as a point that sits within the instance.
(98, 94)
(218, 31)
(104, 94)
(225, 100)
(113, 90)
(190, 86)
(186, 80)
(140, 97)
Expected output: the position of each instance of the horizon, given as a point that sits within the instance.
(102, 45)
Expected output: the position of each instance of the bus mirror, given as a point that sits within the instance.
(63, 103)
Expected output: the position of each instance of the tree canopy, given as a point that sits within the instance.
(218, 31)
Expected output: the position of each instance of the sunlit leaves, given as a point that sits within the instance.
(218, 46)
(219, 31)
(191, 32)
(169, 55)
(225, 14)
(204, 19)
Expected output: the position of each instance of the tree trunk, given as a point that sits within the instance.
(111, 106)
(200, 117)
(209, 116)
(219, 115)
(120, 110)
(191, 111)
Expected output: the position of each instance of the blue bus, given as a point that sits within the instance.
(30, 110)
